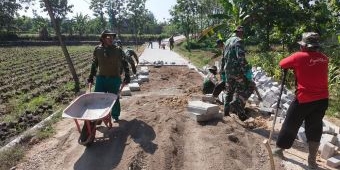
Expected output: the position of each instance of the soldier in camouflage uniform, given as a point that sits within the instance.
(109, 60)
(210, 81)
(235, 67)
(128, 54)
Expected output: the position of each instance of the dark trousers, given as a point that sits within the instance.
(110, 85)
(312, 113)
(219, 88)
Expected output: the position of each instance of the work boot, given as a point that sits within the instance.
(238, 109)
(226, 111)
(313, 150)
(278, 152)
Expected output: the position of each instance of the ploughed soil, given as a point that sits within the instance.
(156, 132)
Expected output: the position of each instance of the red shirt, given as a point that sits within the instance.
(311, 74)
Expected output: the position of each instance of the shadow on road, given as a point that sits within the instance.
(106, 154)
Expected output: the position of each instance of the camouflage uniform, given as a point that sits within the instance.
(209, 83)
(108, 63)
(128, 54)
(235, 66)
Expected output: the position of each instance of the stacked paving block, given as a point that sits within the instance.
(134, 86)
(142, 76)
(202, 111)
(269, 91)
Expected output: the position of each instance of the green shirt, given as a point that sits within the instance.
(109, 61)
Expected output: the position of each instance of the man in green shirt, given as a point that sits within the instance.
(108, 64)
(235, 68)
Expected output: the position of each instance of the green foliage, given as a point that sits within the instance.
(7, 12)
(10, 157)
(48, 130)
(197, 57)
(269, 62)
(37, 101)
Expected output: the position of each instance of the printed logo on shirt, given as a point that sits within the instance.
(313, 62)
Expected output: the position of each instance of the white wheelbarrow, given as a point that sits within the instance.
(92, 108)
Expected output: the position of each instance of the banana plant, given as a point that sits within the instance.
(234, 15)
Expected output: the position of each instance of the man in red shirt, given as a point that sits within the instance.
(311, 75)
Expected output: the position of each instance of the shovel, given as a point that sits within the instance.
(267, 142)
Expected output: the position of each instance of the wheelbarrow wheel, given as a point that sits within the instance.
(85, 138)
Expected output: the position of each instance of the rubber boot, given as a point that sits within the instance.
(226, 111)
(313, 150)
(278, 152)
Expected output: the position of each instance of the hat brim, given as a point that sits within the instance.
(109, 34)
(308, 45)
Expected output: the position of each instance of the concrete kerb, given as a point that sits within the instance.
(22, 136)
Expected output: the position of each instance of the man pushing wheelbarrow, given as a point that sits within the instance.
(107, 66)
(108, 59)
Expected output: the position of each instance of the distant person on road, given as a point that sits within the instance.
(311, 102)
(107, 65)
(150, 43)
(210, 80)
(159, 42)
(172, 42)
(235, 67)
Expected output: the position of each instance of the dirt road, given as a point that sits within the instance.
(155, 133)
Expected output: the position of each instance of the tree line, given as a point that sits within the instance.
(122, 16)
(266, 22)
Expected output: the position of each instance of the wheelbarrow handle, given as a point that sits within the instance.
(90, 87)
(121, 88)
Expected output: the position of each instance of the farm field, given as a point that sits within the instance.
(35, 82)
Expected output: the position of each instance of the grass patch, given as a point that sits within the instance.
(198, 57)
(19, 105)
(69, 86)
(48, 130)
(11, 157)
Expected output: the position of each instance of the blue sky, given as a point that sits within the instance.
(160, 8)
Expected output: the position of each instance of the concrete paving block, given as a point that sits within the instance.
(328, 138)
(301, 135)
(208, 98)
(266, 110)
(126, 91)
(291, 95)
(201, 111)
(286, 105)
(275, 89)
(329, 127)
(134, 86)
(263, 79)
(202, 118)
(144, 68)
(144, 78)
(200, 107)
(138, 80)
(327, 151)
(275, 84)
(333, 162)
